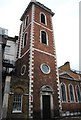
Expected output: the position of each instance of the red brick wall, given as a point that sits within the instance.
(41, 79)
(37, 16)
(26, 47)
(38, 44)
(74, 105)
(29, 14)
(20, 63)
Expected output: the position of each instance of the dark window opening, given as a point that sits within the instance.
(26, 20)
(42, 18)
(43, 37)
(25, 39)
(63, 92)
(71, 93)
(78, 93)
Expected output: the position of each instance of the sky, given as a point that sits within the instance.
(65, 25)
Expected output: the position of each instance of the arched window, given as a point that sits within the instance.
(25, 39)
(63, 92)
(27, 20)
(44, 37)
(71, 93)
(78, 93)
(43, 18)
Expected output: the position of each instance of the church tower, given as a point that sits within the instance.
(36, 61)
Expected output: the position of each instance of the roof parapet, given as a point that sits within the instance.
(33, 0)
(38, 4)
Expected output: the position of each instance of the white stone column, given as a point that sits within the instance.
(6, 96)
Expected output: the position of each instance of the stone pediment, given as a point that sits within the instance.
(66, 75)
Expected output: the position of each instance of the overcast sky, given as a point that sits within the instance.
(65, 24)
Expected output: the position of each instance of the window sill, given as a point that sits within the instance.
(16, 111)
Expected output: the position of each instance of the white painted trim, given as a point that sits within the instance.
(42, 26)
(24, 69)
(45, 52)
(65, 92)
(49, 92)
(41, 103)
(20, 111)
(57, 74)
(77, 94)
(24, 39)
(26, 20)
(24, 53)
(27, 27)
(31, 59)
(44, 16)
(63, 73)
(73, 93)
(21, 39)
(47, 66)
(16, 111)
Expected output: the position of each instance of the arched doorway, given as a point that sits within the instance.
(46, 102)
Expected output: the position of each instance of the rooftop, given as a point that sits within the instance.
(38, 4)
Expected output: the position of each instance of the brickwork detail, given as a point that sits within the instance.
(31, 64)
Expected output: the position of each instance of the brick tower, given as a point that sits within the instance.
(36, 61)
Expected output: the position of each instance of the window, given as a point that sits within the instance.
(23, 69)
(43, 18)
(27, 20)
(45, 68)
(25, 39)
(71, 93)
(44, 37)
(7, 49)
(17, 103)
(63, 92)
(78, 93)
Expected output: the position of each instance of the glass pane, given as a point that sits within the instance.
(63, 92)
(45, 68)
(78, 93)
(17, 103)
(71, 93)
(42, 18)
(43, 35)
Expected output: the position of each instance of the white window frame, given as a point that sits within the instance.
(73, 93)
(24, 69)
(46, 37)
(45, 18)
(18, 111)
(51, 99)
(77, 93)
(24, 39)
(48, 68)
(26, 20)
(65, 92)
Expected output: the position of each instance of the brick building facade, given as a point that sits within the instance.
(35, 87)
(70, 90)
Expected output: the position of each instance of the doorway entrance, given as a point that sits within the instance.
(46, 102)
(46, 106)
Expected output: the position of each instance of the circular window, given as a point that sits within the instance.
(45, 68)
(23, 69)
